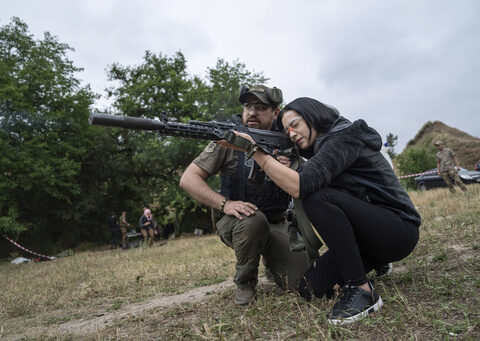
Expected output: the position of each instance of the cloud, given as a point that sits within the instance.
(400, 65)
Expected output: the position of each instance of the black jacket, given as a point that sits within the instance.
(112, 222)
(143, 220)
(348, 158)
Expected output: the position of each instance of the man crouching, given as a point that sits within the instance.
(253, 222)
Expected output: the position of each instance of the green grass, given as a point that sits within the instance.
(433, 294)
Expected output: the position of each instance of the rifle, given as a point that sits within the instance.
(212, 130)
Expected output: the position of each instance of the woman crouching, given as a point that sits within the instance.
(352, 198)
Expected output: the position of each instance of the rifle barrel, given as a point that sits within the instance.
(125, 122)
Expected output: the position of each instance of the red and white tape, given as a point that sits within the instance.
(27, 250)
(418, 174)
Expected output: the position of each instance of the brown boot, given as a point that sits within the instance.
(244, 296)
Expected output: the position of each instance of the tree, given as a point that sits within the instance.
(44, 134)
(159, 84)
(391, 142)
(415, 160)
(224, 82)
(59, 176)
(162, 84)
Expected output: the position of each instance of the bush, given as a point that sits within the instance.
(415, 160)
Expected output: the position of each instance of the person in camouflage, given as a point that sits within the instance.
(446, 162)
(123, 229)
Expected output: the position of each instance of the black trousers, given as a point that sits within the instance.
(115, 232)
(359, 237)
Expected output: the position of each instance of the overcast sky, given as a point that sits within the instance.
(396, 64)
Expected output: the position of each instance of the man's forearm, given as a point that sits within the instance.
(199, 190)
(202, 193)
(194, 182)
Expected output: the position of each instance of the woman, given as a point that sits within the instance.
(353, 199)
(146, 226)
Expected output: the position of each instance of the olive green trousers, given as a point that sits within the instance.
(253, 237)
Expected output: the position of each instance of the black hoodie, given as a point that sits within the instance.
(348, 158)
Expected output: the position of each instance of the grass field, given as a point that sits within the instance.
(183, 290)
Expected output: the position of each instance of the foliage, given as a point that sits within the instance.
(415, 160)
(224, 83)
(162, 84)
(391, 142)
(44, 135)
(9, 222)
(60, 177)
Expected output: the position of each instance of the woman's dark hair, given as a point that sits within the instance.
(316, 114)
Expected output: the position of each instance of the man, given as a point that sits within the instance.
(446, 169)
(253, 222)
(113, 224)
(123, 229)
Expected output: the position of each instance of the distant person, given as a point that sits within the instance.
(157, 229)
(446, 161)
(146, 227)
(123, 228)
(385, 154)
(113, 224)
(169, 229)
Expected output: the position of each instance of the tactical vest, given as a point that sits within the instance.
(269, 198)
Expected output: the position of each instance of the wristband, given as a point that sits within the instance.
(253, 149)
(222, 205)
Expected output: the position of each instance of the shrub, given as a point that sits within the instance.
(415, 160)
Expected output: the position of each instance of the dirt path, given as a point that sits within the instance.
(87, 326)
(104, 319)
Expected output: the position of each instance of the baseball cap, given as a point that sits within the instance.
(437, 143)
(269, 96)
